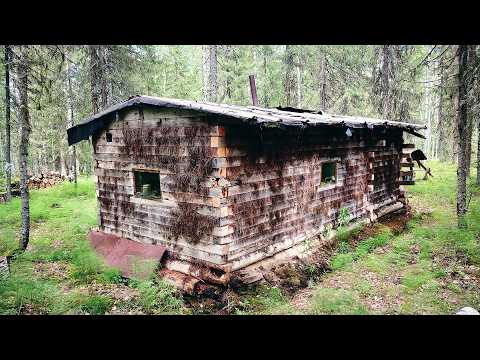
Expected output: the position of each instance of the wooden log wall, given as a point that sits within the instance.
(179, 145)
(275, 197)
(260, 190)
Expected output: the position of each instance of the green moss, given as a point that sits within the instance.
(159, 297)
(341, 261)
(336, 301)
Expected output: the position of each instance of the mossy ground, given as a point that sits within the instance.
(431, 267)
(60, 273)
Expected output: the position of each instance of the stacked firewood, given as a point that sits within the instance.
(45, 180)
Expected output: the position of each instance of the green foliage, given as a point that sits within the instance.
(20, 293)
(159, 297)
(341, 261)
(264, 300)
(371, 243)
(97, 305)
(346, 256)
(327, 301)
(343, 217)
(111, 275)
(79, 303)
(85, 264)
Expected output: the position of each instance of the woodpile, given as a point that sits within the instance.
(45, 180)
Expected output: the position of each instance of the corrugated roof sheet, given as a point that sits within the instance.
(242, 114)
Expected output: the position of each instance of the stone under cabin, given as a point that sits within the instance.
(220, 189)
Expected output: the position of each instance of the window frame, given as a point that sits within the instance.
(137, 194)
(323, 185)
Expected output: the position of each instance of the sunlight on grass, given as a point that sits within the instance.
(410, 272)
(422, 270)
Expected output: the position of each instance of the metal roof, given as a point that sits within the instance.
(237, 114)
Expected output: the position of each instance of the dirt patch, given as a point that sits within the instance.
(118, 292)
(125, 299)
(51, 270)
(294, 277)
(397, 222)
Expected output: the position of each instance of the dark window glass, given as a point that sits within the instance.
(329, 173)
(147, 184)
(109, 137)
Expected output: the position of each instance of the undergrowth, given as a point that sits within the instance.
(429, 268)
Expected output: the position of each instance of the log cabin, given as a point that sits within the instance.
(224, 188)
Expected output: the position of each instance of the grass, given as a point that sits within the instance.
(47, 278)
(430, 268)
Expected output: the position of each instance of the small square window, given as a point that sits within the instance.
(329, 173)
(109, 137)
(147, 184)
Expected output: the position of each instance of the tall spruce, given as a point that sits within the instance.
(441, 126)
(289, 82)
(213, 73)
(461, 108)
(8, 160)
(70, 116)
(205, 72)
(22, 64)
(99, 85)
(322, 79)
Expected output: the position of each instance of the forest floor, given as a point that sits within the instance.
(416, 264)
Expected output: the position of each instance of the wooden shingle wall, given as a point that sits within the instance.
(154, 138)
(275, 197)
(262, 191)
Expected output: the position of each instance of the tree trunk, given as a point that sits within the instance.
(24, 120)
(322, 74)
(213, 73)
(289, 81)
(103, 57)
(265, 74)
(470, 111)
(428, 117)
(94, 79)
(98, 77)
(205, 76)
(461, 107)
(478, 154)
(8, 159)
(468, 146)
(440, 120)
(70, 119)
(299, 87)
